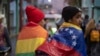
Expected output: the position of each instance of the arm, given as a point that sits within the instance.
(90, 25)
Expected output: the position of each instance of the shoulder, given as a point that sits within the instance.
(67, 31)
(70, 32)
(70, 29)
(36, 31)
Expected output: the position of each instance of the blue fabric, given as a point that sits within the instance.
(4, 49)
(71, 37)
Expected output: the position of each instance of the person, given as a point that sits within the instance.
(69, 39)
(50, 27)
(32, 34)
(92, 38)
(5, 43)
(90, 25)
(90, 28)
(47, 27)
(59, 23)
(98, 25)
(84, 23)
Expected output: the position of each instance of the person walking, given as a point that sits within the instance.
(84, 23)
(5, 43)
(92, 36)
(33, 34)
(69, 39)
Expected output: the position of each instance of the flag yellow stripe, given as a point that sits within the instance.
(28, 45)
(70, 25)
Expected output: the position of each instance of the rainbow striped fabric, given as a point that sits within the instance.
(29, 39)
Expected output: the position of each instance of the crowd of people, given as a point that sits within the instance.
(76, 36)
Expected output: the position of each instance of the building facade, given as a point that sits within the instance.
(92, 8)
(4, 10)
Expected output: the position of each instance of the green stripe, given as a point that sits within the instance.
(26, 54)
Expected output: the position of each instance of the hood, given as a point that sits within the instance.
(34, 14)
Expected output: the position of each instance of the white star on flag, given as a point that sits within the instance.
(74, 43)
(71, 32)
(57, 33)
(66, 29)
(74, 37)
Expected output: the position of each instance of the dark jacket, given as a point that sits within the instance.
(5, 39)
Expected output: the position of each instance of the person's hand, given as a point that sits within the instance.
(90, 25)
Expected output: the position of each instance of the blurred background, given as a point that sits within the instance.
(15, 17)
(14, 10)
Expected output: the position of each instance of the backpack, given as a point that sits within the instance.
(94, 36)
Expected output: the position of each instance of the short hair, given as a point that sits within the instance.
(86, 17)
(99, 21)
(69, 12)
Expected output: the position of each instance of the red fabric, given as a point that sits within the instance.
(34, 14)
(54, 48)
(31, 24)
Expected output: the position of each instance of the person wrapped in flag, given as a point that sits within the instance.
(32, 34)
(69, 39)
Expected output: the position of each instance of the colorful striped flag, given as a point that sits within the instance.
(29, 40)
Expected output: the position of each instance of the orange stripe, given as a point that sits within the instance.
(30, 32)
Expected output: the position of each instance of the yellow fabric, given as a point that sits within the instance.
(94, 35)
(65, 24)
(29, 45)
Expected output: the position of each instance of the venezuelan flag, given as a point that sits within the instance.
(29, 40)
(67, 41)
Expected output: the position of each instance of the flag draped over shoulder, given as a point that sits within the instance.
(67, 41)
(30, 39)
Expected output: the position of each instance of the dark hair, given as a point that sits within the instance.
(68, 12)
(86, 17)
(99, 21)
